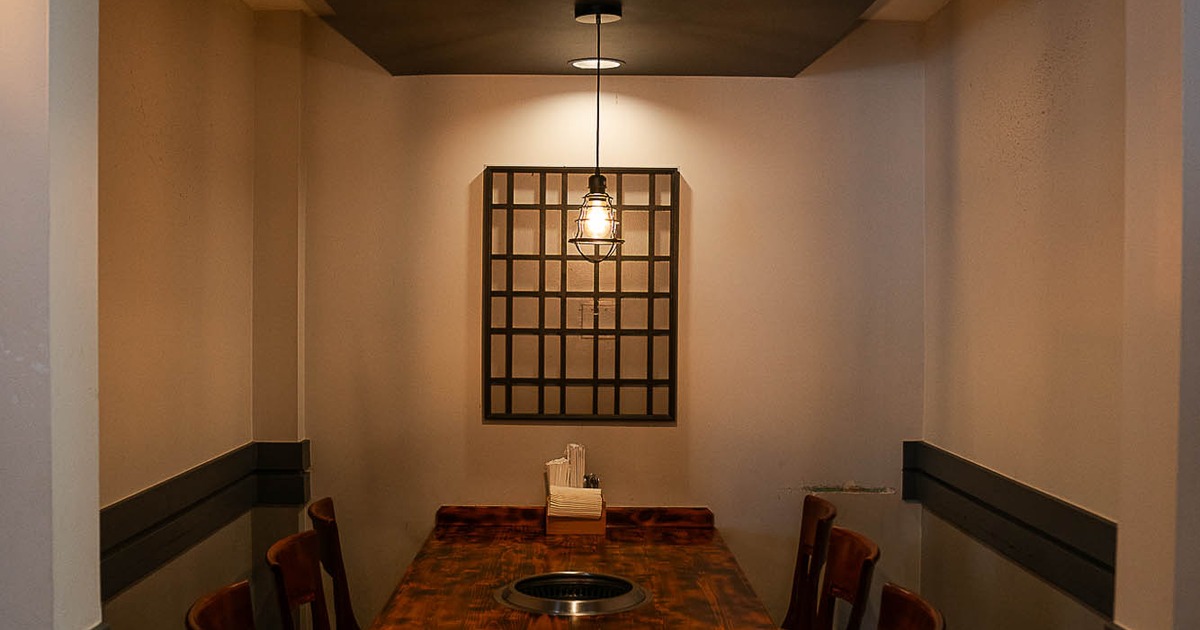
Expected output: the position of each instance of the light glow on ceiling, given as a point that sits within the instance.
(589, 63)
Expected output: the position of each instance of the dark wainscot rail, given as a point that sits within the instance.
(1063, 544)
(674, 553)
(145, 531)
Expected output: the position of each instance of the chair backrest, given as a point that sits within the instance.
(229, 608)
(848, 572)
(295, 561)
(324, 522)
(815, 525)
(901, 609)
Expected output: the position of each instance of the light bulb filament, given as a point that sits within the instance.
(597, 222)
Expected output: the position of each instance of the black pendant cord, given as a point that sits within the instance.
(598, 16)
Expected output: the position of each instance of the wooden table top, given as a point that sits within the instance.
(674, 553)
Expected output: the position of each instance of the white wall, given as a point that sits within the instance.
(1187, 612)
(800, 295)
(49, 578)
(1150, 398)
(26, 583)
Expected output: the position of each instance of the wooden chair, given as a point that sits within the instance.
(815, 525)
(229, 608)
(295, 562)
(324, 522)
(848, 572)
(901, 609)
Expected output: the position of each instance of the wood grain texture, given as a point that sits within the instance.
(578, 526)
(686, 517)
(692, 577)
(491, 516)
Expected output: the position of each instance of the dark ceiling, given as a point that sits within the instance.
(762, 38)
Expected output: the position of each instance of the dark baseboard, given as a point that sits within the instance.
(1065, 545)
(145, 531)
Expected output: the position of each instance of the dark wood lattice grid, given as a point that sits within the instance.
(564, 338)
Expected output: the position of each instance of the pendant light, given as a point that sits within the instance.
(597, 231)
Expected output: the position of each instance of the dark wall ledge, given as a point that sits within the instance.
(145, 531)
(1069, 547)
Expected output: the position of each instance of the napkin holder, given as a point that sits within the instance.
(565, 525)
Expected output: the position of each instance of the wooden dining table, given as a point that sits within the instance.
(675, 554)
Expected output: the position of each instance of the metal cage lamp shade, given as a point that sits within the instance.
(597, 230)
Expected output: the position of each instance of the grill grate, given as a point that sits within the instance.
(572, 594)
(573, 588)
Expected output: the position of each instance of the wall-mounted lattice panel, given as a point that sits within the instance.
(564, 338)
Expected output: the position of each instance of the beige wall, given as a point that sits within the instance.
(176, 237)
(278, 217)
(800, 307)
(1024, 233)
(807, 206)
(1024, 238)
(193, 94)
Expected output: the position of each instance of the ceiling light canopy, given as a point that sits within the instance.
(607, 11)
(597, 230)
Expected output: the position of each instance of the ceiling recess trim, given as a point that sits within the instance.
(766, 38)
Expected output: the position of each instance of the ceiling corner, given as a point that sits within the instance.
(904, 10)
(308, 7)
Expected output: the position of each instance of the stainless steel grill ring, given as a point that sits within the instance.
(572, 594)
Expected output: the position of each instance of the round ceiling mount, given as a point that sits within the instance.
(587, 10)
